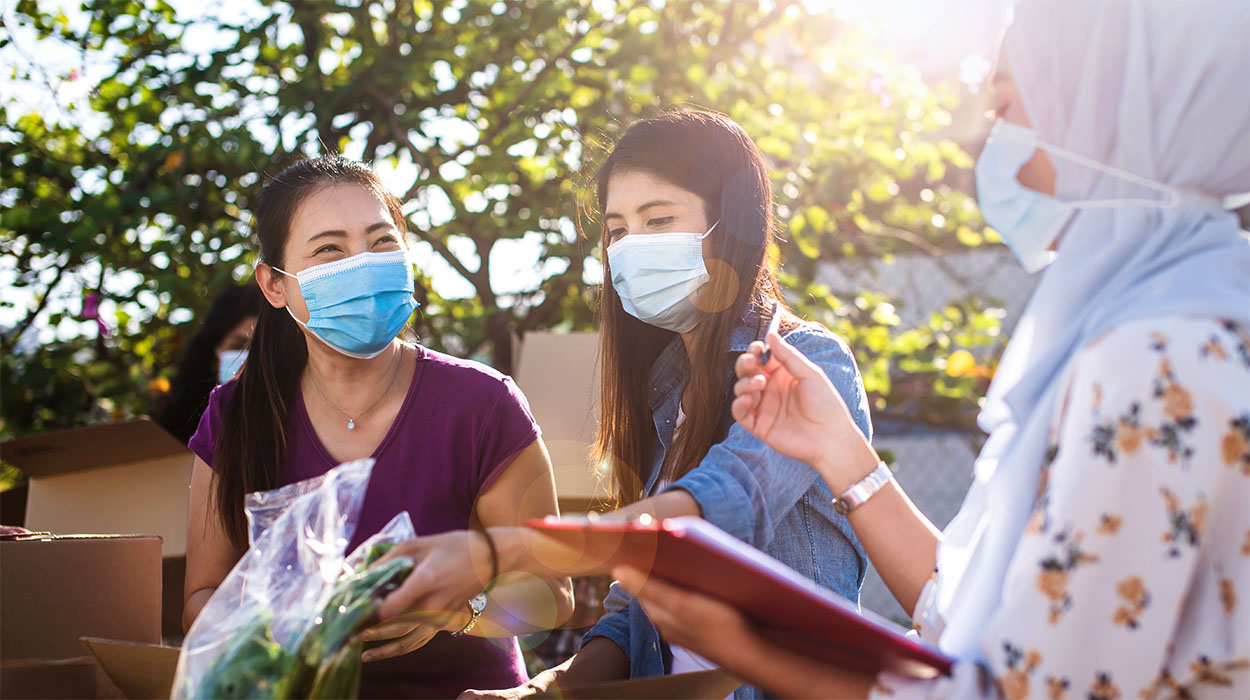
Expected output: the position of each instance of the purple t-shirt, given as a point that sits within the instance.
(460, 424)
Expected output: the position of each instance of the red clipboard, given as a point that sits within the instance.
(786, 608)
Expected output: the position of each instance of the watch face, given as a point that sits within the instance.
(478, 603)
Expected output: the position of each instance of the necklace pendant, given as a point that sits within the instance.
(351, 423)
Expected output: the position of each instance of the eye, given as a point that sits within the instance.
(660, 221)
(385, 240)
(328, 248)
(614, 234)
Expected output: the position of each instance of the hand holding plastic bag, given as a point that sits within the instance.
(283, 623)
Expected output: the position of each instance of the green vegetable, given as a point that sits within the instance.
(339, 676)
(351, 608)
(252, 665)
(327, 663)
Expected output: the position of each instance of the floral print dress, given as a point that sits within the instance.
(1132, 579)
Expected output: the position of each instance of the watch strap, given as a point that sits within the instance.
(864, 489)
(477, 605)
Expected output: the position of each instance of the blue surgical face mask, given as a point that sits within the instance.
(1029, 221)
(656, 275)
(228, 364)
(359, 304)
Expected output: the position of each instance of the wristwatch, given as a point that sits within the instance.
(476, 606)
(864, 489)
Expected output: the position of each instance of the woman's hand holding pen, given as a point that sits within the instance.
(793, 407)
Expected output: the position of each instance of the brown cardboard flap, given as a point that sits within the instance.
(558, 372)
(91, 447)
(57, 589)
(147, 496)
(141, 671)
(703, 685)
(49, 678)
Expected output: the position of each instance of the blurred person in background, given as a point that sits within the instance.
(214, 355)
(1103, 550)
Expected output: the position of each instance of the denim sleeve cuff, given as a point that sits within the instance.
(614, 627)
(724, 503)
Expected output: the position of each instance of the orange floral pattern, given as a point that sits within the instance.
(1135, 599)
(1053, 579)
(1131, 576)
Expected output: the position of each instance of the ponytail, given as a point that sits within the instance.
(251, 446)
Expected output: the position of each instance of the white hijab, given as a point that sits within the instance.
(1160, 89)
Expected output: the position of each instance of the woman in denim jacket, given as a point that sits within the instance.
(687, 223)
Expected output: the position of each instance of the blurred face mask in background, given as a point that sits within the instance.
(656, 275)
(1030, 221)
(358, 305)
(229, 362)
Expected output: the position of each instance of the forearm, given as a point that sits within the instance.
(898, 539)
(522, 549)
(671, 504)
(600, 661)
(521, 604)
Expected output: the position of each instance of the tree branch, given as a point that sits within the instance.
(11, 338)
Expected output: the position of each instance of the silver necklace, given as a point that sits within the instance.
(351, 420)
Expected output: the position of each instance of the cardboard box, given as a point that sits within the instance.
(59, 588)
(126, 477)
(13, 506)
(78, 677)
(140, 671)
(143, 671)
(559, 374)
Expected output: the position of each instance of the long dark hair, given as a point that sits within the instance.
(711, 156)
(197, 371)
(251, 443)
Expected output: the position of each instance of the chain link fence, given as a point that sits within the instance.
(933, 466)
(935, 469)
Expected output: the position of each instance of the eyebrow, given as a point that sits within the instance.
(649, 205)
(339, 233)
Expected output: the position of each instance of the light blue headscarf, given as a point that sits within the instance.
(1157, 88)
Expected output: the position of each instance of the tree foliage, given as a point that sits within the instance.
(497, 113)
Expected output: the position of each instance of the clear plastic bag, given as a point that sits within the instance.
(283, 623)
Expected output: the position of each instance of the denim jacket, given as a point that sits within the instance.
(777, 504)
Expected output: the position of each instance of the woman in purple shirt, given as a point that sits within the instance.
(327, 381)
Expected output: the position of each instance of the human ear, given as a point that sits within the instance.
(270, 283)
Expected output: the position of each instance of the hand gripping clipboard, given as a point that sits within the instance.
(786, 608)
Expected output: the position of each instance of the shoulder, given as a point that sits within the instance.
(203, 441)
(220, 395)
(1175, 388)
(218, 400)
(1141, 349)
(464, 377)
(813, 335)
(820, 345)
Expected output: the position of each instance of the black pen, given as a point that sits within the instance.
(773, 325)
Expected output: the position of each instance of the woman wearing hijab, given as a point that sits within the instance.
(1103, 550)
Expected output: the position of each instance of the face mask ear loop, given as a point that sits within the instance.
(709, 231)
(284, 274)
(1173, 194)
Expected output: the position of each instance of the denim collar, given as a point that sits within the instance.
(672, 367)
